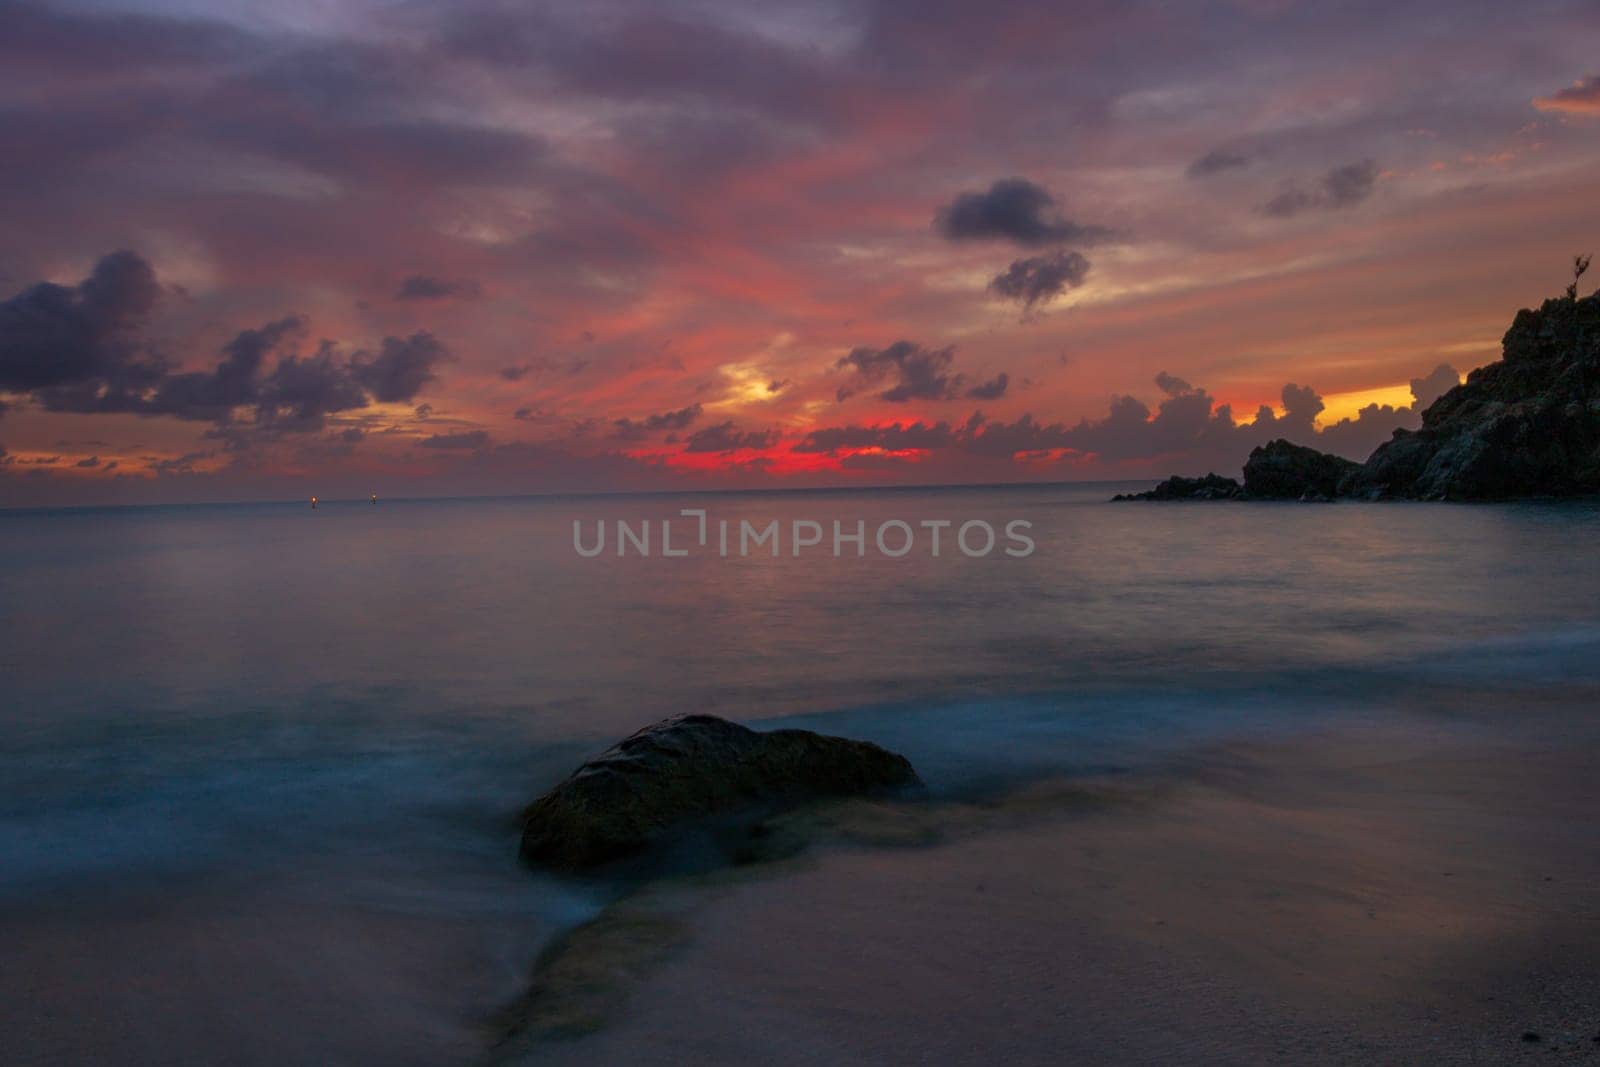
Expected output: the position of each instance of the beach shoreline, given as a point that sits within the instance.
(1378, 894)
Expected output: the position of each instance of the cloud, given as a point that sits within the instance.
(1438, 382)
(1580, 98)
(183, 464)
(725, 437)
(300, 393)
(1372, 426)
(1301, 405)
(638, 429)
(78, 349)
(78, 343)
(993, 389)
(401, 368)
(918, 373)
(1187, 431)
(1039, 278)
(1172, 385)
(1215, 162)
(85, 464)
(1341, 187)
(213, 395)
(1012, 209)
(462, 441)
(896, 437)
(425, 287)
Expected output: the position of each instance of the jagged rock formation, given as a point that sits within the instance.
(1211, 487)
(1528, 425)
(689, 768)
(1279, 470)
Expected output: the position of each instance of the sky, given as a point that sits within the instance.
(266, 251)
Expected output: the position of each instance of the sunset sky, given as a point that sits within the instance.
(268, 250)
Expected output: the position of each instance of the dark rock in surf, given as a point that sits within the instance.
(694, 767)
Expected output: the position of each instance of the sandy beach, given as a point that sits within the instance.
(1382, 895)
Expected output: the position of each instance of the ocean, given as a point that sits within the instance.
(261, 763)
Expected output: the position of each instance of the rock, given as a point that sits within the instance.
(1211, 487)
(1279, 470)
(688, 768)
(1528, 425)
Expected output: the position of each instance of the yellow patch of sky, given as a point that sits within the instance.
(747, 381)
(1336, 406)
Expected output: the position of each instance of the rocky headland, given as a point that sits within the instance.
(1525, 426)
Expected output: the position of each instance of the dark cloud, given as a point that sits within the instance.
(1373, 425)
(183, 464)
(213, 395)
(1038, 278)
(51, 43)
(1439, 381)
(1215, 162)
(896, 437)
(1188, 431)
(85, 464)
(1012, 209)
(516, 373)
(1341, 187)
(78, 349)
(774, 386)
(1580, 98)
(639, 429)
(462, 441)
(725, 437)
(301, 392)
(425, 287)
(918, 373)
(1301, 405)
(1172, 385)
(81, 339)
(993, 389)
(401, 368)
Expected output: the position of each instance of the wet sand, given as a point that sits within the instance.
(1374, 896)
(230, 976)
(1370, 894)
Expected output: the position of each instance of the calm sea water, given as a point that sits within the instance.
(269, 710)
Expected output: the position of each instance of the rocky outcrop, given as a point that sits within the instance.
(1528, 425)
(1211, 487)
(1279, 470)
(694, 767)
